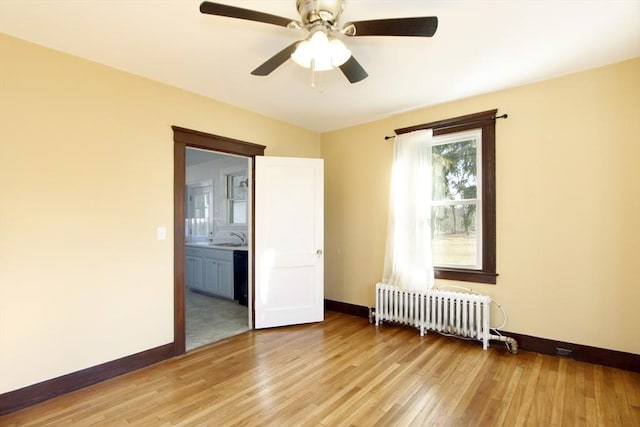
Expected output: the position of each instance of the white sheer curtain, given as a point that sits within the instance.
(408, 259)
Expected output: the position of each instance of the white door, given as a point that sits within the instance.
(289, 241)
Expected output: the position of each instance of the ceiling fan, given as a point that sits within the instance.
(321, 50)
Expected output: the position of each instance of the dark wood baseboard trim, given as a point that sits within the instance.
(583, 353)
(346, 308)
(30, 395)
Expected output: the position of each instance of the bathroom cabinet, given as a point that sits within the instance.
(210, 271)
(193, 269)
(217, 277)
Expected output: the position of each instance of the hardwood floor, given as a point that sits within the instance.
(346, 372)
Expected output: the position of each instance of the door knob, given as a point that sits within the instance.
(319, 252)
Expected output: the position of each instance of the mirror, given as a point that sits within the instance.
(237, 197)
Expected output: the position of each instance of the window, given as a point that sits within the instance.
(463, 197)
(456, 207)
(198, 221)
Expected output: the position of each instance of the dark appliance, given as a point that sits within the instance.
(240, 276)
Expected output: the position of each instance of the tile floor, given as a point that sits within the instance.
(210, 319)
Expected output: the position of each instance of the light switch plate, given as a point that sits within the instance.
(162, 233)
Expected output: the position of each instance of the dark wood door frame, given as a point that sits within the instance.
(183, 138)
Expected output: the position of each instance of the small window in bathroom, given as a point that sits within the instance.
(198, 219)
(237, 198)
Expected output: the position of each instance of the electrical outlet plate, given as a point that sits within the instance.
(565, 352)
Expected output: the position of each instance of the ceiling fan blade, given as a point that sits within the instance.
(425, 26)
(275, 61)
(240, 13)
(353, 71)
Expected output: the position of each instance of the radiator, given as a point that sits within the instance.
(455, 313)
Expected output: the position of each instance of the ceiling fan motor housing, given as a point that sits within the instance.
(326, 11)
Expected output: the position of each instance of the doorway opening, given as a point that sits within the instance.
(230, 221)
(217, 244)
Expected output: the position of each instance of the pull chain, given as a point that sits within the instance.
(313, 77)
(313, 73)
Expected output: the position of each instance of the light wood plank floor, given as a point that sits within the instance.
(346, 372)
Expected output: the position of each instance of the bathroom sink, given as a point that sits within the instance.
(229, 244)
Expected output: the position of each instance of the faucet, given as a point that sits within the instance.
(241, 236)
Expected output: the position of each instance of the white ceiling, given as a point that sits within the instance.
(480, 47)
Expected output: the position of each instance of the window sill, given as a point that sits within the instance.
(466, 275)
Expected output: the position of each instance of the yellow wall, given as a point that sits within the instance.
(86, 176)
(568, 204)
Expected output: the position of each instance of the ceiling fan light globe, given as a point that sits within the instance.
(319, 40)
(320, 53)
(338, 52)
(322, 63)
(303, 54)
